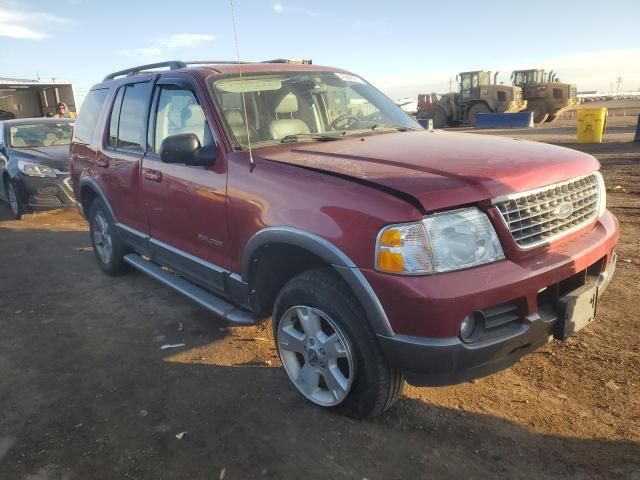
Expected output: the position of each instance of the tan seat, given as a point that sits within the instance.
(281, 127)
(236, 124)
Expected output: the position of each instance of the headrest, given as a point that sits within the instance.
(289, 104)
(234, 118)
(192, 116)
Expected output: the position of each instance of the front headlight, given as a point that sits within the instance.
(35, 170)
(441, 242)
(602, 194)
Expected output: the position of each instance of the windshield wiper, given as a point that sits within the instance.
(400, 128)
(315, 136)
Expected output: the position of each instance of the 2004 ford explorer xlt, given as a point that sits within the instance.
(381, 250)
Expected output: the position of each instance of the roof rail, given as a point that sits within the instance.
(303, 61)
(129, 72)
(213, 62)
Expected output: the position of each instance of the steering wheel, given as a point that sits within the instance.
(345, 121)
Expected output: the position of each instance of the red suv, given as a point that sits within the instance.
(381, 250)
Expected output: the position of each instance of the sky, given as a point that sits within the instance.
(402, 47)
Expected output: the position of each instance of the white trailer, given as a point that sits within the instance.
(33, 98)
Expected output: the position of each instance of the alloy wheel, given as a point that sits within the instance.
(316, 355)
(102, 238)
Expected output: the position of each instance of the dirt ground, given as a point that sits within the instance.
(87, 392)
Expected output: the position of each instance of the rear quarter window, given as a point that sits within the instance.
(89, 115)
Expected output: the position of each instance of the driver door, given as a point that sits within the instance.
(184, 205)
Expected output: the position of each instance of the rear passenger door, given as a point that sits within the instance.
(185, 205)
(123, 149)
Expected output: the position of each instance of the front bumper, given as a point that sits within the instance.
(426, 312)
(449, 361)
(47, 192)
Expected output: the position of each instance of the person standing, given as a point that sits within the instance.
(61, 111)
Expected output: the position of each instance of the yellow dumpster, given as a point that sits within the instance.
(591, 124)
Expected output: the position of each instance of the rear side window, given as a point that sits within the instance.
(89, 115)
(128, 117)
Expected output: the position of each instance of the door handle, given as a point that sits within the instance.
(103, 162)
(152, 175)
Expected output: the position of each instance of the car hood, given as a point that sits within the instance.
(56, 156)
(440, 169)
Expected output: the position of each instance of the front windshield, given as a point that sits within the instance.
(40, 135)
(298, 106)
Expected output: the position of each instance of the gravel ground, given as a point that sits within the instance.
(88, 393)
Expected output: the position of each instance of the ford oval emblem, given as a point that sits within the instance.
(563, 210)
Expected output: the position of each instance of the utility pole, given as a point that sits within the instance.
(618, 81)
(450, 84)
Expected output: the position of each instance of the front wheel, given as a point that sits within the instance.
(15, 201)
(328, 350)
(474, 110)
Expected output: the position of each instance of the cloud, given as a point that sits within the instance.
(280, 8)
(157, 47)
(25, 25)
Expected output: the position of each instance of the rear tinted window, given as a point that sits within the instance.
(133, 113)
(89, 115)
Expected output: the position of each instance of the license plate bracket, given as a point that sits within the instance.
(575, 311)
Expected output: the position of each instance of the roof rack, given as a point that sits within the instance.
(177, 64)
(214, 62)
(129, 72)
(303, 61)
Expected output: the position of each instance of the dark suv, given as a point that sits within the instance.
(381, 250)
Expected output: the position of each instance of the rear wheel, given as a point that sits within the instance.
(328, 350)
(477, 108)
(107, 247)
(539, 109)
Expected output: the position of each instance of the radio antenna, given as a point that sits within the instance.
(252, 163)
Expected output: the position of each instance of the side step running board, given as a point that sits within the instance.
(208, 301)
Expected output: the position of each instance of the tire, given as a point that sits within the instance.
(539, 109)
(107, 246)
(14, 196)
(337, 362)
(439, 118)
(477, 108)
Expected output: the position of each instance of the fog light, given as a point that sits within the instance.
(471, 327)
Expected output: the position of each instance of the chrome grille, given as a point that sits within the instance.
(539, 216)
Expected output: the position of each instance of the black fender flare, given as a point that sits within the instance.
(91, 183)
(326, 250)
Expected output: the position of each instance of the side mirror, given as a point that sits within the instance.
(185, 148)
